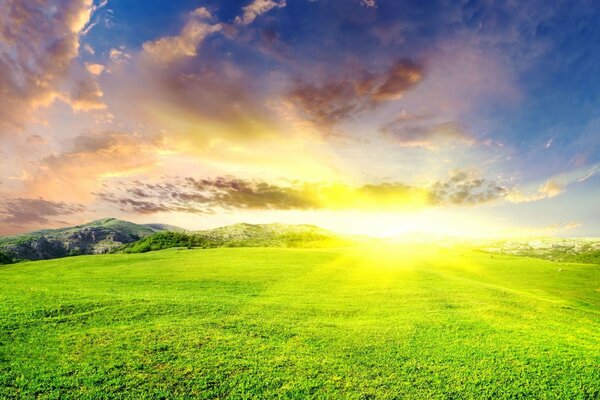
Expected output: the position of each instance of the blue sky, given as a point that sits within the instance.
(302, 111)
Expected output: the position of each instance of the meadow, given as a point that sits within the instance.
(364, 322)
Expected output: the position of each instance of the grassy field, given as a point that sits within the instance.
(371, 322)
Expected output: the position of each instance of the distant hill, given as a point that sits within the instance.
(239, 235)
(114, 235)
(579, 250)
(101, 236)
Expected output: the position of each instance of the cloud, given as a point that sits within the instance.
(89, 160)
(87, 47)
(86, 95)
(402, 76)
(368, 3)
(205, 196)
(556, 228)
(466, 188)
(257, 8)
(202, 102)
(95, 69)
(590, 173)
(569, 226)
(209, 195)
(547, 190)
(170, 49)
(25, 211)
(423, 131)
(38, 42)
(330, 103)
(119, 56)
(337, 100)
(36, 139)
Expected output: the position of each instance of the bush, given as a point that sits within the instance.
(5, 259)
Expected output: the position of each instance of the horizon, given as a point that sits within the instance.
(401, 237)
(372, 117)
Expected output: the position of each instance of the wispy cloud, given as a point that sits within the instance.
(89, 160)
(257, 8)
(547, 190)
(27, 211)
(368, 3)
(426, 132)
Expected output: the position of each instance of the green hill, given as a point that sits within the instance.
(239, 235)
(96, 237)
(381, 322)
(582, 250)
(114, 235)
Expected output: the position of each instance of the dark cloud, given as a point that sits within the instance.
(205, 195)
(329, 103)
(402, 76)
(25, 211)
(337, 100)
(466, 188)
(228, 193)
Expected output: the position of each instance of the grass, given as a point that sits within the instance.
(372, 322)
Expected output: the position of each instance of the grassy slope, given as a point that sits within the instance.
(297, 323)
(239, 235)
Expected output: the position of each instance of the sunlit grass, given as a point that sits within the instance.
(374, 321)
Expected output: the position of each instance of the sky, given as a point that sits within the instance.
(380, 117)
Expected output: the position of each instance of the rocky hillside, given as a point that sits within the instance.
(96, 237)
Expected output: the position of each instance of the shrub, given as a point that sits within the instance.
(5, 259)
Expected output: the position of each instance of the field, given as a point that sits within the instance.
(364, 322)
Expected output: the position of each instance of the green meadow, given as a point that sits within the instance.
(370, 322)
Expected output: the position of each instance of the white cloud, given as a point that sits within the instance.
(173, 48)
(368, 3)
(88, 48)
(95, 69)
(119, 55)
(256, 8)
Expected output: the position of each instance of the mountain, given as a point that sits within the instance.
(101, 236)
(240, 235)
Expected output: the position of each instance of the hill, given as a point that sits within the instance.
(96, 237)
(582, 250)
(239, 235)
(404, 321)
(114, 235)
